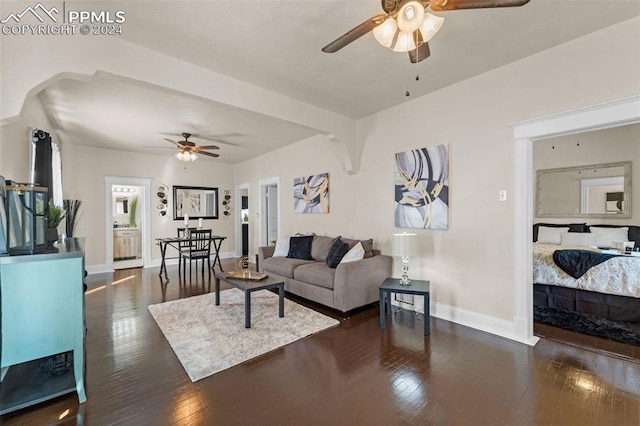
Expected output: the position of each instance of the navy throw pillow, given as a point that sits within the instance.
(336, 253)
(300, 247)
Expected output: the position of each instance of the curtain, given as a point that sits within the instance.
(47, 166)
(43, 168)
(56, 165)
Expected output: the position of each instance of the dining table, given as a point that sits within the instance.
(176, 242)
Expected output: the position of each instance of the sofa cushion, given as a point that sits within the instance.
(283, 266)
(300, 247)
(337, 252)
(316, 273)
(321, 246)
(367, 245)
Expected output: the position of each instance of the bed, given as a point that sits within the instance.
(610, 289)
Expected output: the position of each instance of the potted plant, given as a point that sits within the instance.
(54, 216)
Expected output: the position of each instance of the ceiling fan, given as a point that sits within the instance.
(406, 26)
(188, 149)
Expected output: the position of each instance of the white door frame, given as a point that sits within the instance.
(611, 114)
(145, 183)
(262, 188)
(238, 222)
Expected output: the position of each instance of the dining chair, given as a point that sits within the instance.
(183, 246)
(198, 249)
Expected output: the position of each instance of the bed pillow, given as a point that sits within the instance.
(606, 236)
(300, 247)
(282, 247)
(354, 254)
(577, 239)
(551, 235)
(336, 253)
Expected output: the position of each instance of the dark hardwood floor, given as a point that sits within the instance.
(355, 373)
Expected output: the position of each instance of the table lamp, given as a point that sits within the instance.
(405, 246)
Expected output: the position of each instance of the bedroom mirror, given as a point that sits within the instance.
(592, 191)
(195, 201)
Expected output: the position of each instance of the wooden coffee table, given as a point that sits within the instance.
(249, 287)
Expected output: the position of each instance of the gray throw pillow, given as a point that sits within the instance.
(367, 245)
(321, 246)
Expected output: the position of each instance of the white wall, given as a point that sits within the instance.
(597, 147)
(471, 265)
(84, 172)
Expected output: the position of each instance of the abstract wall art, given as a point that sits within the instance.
(311, 194)
(422, 188)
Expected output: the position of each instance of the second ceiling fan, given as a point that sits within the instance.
(188, 149)
(406, 26)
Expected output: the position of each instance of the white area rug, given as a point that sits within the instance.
(207, 338)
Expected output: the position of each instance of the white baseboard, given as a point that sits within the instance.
(98, 269)
(478, 321)
(512, 330)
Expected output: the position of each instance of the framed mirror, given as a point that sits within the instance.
(195, 201)
(593, 191)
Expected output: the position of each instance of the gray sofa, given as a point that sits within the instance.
(346, 287)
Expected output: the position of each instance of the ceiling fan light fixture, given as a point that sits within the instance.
(410, 16)
(186, 156)
(385, 32)
(430, 26)
(404, 42)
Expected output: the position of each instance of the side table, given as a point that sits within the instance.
(417, 287)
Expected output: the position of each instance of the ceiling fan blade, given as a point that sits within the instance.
(209, 147)
(210, 154)
(178, 144)
(475, 4)
(419, 54)
(354, 33)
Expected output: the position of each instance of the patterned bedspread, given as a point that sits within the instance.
(619, 275)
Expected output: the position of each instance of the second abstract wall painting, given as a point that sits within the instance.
(311, 194)
(422, 188)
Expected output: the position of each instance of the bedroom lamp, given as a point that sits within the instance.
(405, 246)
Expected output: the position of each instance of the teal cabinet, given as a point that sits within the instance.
(42, 308)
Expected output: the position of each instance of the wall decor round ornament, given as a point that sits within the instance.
(161, 204)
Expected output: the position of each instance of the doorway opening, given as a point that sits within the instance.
(612, 114)
(243, 220)
(269, 210)
(128, 222)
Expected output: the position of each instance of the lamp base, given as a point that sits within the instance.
(404, 281)
(405, 272)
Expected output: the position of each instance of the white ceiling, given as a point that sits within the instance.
(275, 45)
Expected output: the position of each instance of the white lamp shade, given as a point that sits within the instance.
(404, 42)
(410, 16)
(430, 26)
(405, 245)
(385, 32)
